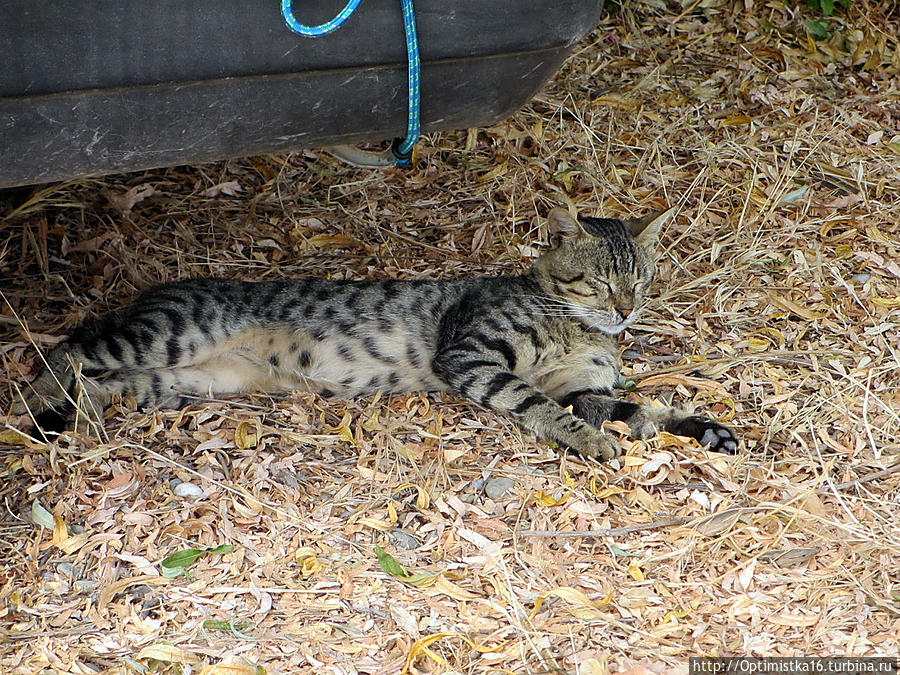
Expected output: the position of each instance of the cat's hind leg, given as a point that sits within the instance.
(156, 387)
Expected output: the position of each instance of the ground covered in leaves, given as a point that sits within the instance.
(421, 534)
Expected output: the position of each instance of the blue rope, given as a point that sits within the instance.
(321, 29)
(402, 148)
(412, 76)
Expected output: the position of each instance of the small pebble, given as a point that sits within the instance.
(67, 569)
(862, 277)
(496, 488)
(404, 539)
(187, 490)
(86, 585)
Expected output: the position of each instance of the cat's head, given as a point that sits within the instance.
(599, 269)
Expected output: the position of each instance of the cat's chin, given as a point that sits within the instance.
(610, 330)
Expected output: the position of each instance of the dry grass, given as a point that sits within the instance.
(779, 312)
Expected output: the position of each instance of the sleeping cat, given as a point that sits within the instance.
(537, 347)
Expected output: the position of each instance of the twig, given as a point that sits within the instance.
(608, 531)
(894, 468)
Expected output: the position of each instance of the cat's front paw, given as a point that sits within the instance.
(709, 433)
(596, 444)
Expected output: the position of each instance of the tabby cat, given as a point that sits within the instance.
(538, 347)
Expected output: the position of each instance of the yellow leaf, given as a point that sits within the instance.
(15, 437)
(544, 499)
(392, 513)
(672, 616)
(60, 531)
(311, 565)
(304, 552)
(635, 571)
(371, 424)
(422, 499)
(420, 647)
(886, 302)
(246, 436)
(580, 606)
(735, 120)
(168, 654)
(343, 429)
(757, 344)
(843, 250)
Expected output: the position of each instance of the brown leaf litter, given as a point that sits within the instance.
(779, 313)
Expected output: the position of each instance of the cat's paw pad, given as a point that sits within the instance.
(708, 433)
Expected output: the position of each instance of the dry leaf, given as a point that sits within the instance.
(246, 435)
(791, 557)
(717, 523)
(127, 201)
(230, 188)
(168, 654)
(578, 603)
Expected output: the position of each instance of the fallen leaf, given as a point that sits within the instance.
(246, 435)
(41, 516)
(127, 201)
(580, 605)
(717, 523)
(176, 564)
(791, 557)
(390, 566)
(230, 188)
(167, 654)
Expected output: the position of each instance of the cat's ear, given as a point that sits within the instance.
(646, 230)
(562, 224)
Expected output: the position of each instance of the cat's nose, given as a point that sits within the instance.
(624, 311)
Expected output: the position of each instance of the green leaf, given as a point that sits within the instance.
(827, 7)
(176, 564)
(41, 516)
(817, 29)
(221, 548)
(794, 195)
(615, 550)
(389, 565)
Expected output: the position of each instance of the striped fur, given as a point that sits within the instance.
(537, 347)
